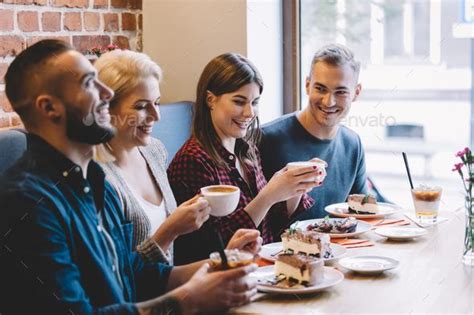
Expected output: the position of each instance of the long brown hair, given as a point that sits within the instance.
(225, 74)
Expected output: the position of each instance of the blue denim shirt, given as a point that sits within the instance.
(54, 257)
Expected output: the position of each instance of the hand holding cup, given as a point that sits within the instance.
(318, 163)
(222, 199)
(189, 216)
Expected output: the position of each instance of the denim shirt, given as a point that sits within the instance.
(54, 255)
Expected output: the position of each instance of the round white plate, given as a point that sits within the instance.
(362, 227)
(368, 264)
(331, 278)
(401, 233)
(340, 210)
(270, 252)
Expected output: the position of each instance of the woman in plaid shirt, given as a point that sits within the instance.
(222, 150)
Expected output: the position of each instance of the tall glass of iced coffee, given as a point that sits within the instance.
(426, 200)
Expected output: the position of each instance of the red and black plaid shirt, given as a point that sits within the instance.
(191, 169)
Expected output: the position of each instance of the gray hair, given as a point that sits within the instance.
(336, 55)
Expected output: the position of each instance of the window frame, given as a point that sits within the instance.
(291, 56)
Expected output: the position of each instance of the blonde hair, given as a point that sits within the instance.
(122, 71)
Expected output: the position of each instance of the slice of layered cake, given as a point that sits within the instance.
(362, 204)
(334, 226)
(305, 270)
(306, 242)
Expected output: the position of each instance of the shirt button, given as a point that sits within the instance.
(77, 169)
(99, 228)
(113, 268)
(65, 173)
(231, 157)
(86, 189)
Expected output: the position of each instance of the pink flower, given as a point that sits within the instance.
(457, 167)
(463, 152)
(112, 47)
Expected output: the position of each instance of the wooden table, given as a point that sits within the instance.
(431, 278)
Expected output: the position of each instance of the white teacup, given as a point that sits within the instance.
(223, 199)
(321, 165)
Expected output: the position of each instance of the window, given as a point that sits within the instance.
(414, 73)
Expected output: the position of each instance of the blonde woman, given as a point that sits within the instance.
(135, 162)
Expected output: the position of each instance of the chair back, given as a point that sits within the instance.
(174, 127)
(12, 147)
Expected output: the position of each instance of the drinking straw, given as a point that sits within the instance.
(408, 169)
(221, 251)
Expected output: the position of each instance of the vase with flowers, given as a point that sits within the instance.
(466, 171)
(97, 51)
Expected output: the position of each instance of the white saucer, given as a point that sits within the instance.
(368, 264)
(341, 210)
(361, 228)
(270, 251)
(401, 233)
(331, 278)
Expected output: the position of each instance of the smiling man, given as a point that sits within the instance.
(316, 132)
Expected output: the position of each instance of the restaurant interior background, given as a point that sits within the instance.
(416, 62)
(415, 71)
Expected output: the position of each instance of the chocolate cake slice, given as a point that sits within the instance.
(362, 204)
(306, 242)
(307, 270)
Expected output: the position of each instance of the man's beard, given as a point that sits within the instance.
(85, 129)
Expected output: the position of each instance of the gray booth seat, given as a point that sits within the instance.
(12, 147)
(174, 127)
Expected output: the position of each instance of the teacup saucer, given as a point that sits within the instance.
(368, 264)
(401, 233)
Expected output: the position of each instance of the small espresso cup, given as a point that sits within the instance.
(321, 165)
(223, 199)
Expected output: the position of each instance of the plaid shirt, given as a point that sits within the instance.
(191, 169)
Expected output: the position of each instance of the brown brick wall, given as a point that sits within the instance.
(82, 23)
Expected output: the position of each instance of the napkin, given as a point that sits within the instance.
(387, 222)
(352, 242)
(262, 262)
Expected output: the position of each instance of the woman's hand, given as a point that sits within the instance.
(188, 217)
(288, 183)
(246, 239)
(322, 165)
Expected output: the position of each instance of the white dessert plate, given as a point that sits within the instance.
(361, 228)
(401, 233)
(368, 264)
(341, 210)
(331, 278)
(270, 252)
